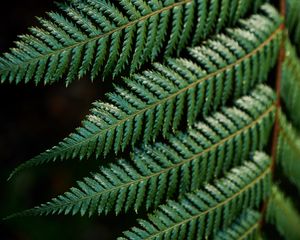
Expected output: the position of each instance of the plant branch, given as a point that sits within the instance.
(278, 87)
(278, 104)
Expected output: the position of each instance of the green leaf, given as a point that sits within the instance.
(245, 227)
(154, 102)
(283, 215)
(183, 164)
(105, 38)
(288, 151)
(200, 214)
(292, 21)
(290, 84)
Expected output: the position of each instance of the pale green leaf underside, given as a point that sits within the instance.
(282, 213)
(245, 227)
(154, 102)
(105, 38)
(181, 165)
(199, 215)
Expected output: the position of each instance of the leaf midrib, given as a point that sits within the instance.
(250, 230)
(130, 23)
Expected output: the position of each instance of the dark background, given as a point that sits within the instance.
(33, 119)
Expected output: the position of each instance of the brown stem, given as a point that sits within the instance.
(278, 105)
(278, 83)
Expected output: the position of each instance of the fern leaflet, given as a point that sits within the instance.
(154, 101)
(202, 213)
(283, 215)
(103, 37)
(290, 86)
(245, 227)
(292, 21)
(288, 151)
(163, 171)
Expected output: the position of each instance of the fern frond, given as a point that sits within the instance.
(283, 215)
(293, 21)
(163, 171)
(199, 215)
(288, 151)
(245, 227)
(103, 37)
(153, 103)
(290, 84)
